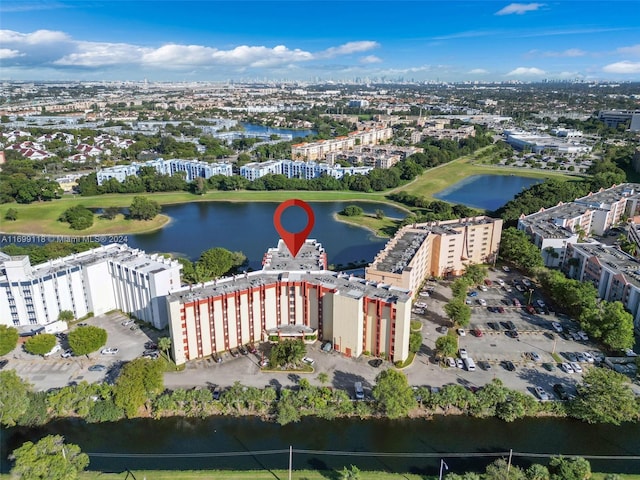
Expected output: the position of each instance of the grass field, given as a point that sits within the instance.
(42, 217)
(263, 475)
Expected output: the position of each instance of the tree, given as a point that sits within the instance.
(393, 394)
(458, 312)
(537, 472)
(379, 214)
(563, 468)
(446, 346)
(605, 397)
(476, 273)
(351, 473)
(352, 211)
(323, 377)
(610, 323)
(164, 344)
(8, 339)
(14, 397)
(415, 342)
(287, 352)
(84, 340)
(516, 248)
(459, 287)
(50, 458)
(12, 214)
(40, 344)
(143, 209)
(140, 380)
(215, 262)
(66, 316)
(78, 217)
(500, 470)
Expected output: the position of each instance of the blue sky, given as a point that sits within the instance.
(164, 40)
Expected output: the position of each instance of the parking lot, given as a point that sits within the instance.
(55, 371)
(521, 360)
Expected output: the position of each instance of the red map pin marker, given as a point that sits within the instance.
(294, 240)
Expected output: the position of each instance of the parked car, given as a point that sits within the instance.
(512, 333)
(462, 332)
(576, 367)
(97, 368)
(516, 302)
(493, 326)
(109, 351)
(376, 362)
(126, 323)
(463, 353)
(216, 393)
(150, 351)
(308, 360)
(450, 362)
(234, 353)
(152, 355)
(557, 327)
(67, 353)
(583, 336)
(566, 367)
(477, 332)
(327, 347)
(482, 302)
(540, 303)
(151, 346)
(484, 365)
(550, 367)
(541, 393)
(252, 348)
(506, 269)
(472, 294)
(534, 356)
(508, 365)
(459, 363)
(216, 358)
(243, 350)
(56, 348)
(561, 391)
(359, 391)
(483, 288)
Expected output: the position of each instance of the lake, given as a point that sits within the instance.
(248, 227)
(488, 192)
(157, 444)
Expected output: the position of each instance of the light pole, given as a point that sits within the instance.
(530, 294)
(442, 464)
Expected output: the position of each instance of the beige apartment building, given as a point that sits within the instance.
(435, 249)
(318, 150)
(290, 297)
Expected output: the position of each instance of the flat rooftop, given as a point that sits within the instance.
(311, 256)
(614, 259)
(398, 256)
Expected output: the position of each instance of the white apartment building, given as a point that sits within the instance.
(318, 150)
(552, 229)
(99, 280)
(293, 169)
(191, 168)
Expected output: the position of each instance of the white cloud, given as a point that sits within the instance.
(8, 53)
(631, 50)
(478, 71)
(622, 67)
(370, 59)
(571, 52)
(349, 48)
(54, 48)
(519, 8)
(526, 72)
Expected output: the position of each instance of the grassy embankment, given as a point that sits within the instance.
(264, 475)
(42, 217)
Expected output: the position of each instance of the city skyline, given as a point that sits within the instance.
(319, 41)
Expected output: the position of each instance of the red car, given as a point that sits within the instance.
(477, 332)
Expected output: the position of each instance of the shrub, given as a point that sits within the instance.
(40, 344)
(8, 339)
(78, 217)
(85, 340)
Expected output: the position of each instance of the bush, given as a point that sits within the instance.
(8, 339)
(105, 411)
(352, 211)
(40, 344)
(84, 340)
(78, 217)
(143, 209)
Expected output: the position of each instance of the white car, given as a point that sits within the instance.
(557, 327)
(534, 356)
(483, 288)
(56, 348)
(109, 351)
(459, 363)
(583, 336)
(576, 367)
(506, 269)
(461, 332)
(566, 368)
(630, 353)
(588, 357)
(542, 395)
(482, 302)
(308, 360)
(463, 353)
(67, 353)
(451, 363)
(500, 282)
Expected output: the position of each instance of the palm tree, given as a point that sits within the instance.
(164, 344)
